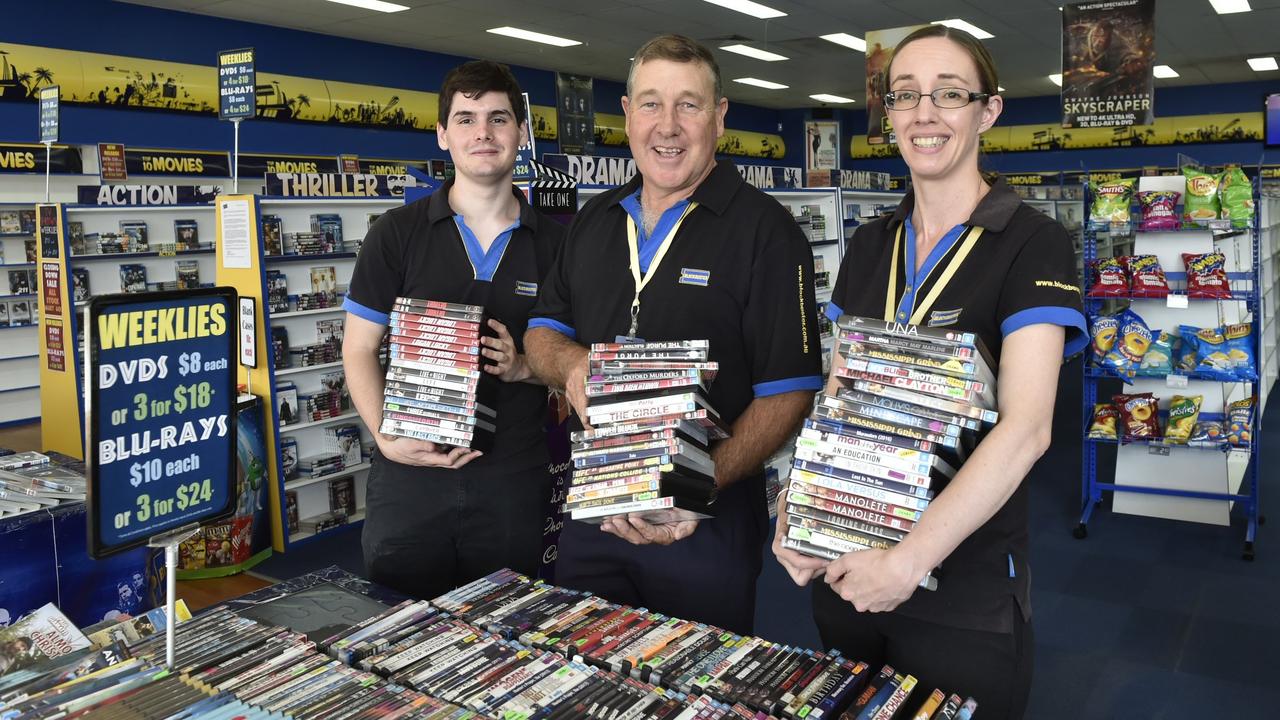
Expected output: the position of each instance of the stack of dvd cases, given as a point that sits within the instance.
(913, 401)
(647, 449)
(436, 388)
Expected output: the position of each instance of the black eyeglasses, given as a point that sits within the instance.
(948, 98)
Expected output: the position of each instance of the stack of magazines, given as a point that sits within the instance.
(913, 402)
(436, 389)
(646, 451)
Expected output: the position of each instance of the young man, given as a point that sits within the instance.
(687, 212)
(438, 517)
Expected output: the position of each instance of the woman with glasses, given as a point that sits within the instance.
(962, 251)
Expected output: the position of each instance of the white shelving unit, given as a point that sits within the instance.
(19, 350)
(1269, 254)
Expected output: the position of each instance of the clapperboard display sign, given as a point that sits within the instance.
(553, 191)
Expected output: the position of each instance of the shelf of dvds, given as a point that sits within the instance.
(1148, 478)
(300, 313)
(296, 483)
(308, 368)
(19, 380)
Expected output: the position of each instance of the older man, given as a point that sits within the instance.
(715, 259)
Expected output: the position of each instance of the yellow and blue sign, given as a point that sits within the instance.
(161, 415)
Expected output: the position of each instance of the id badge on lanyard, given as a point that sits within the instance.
(633, 248)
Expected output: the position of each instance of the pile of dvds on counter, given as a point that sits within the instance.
(913, 402)
(436, 388)
(646, 450)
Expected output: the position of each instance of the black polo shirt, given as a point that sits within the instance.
(424, 250)
(1020, 271)
(738, 273)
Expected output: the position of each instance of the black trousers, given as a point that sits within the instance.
(992, 668)
(429, 530)
(708, 577)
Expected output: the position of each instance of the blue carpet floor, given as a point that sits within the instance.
(1145, 618)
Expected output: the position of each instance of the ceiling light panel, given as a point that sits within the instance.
(766, 84)
(968, 27)
(847, 40)
(756, 53)
(1226, 7)
(746, 7)
(379, 5)
(1164, 71)
(532, 36)
(836, 99)
(1263, 64)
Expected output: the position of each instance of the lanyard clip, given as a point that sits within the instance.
(635, 318)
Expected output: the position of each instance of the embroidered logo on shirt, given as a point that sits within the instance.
(528, 289)
(940, 318)
(694, 276)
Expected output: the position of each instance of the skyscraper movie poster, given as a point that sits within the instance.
(1108, 49)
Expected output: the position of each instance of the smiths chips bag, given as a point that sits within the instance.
(1108, 278)
(1139, 416)
(1186, 356)
(1207, 275)
(1207, 434)
(1240, 351)
(1183, 413)
(1213, 360)
(1201, 199)
(1235, 193)
(1240, 422)
(1146, 277)
(1111, 200)
(1158, 210)
(1103, 335)
(1103, 426)
(1132, 342)
(1158, 361)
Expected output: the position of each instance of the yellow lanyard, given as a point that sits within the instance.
(890, 301)
(633, 246)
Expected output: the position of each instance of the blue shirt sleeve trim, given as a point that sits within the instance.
(777, 387)
(361, 311)
(1069, 318)
(833, 312)
(556, 325)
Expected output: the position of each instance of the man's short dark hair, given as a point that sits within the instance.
(476, 78)
(676, 48)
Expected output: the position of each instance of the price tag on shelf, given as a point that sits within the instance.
(1176, 381)
(1177, 302)
(1158, 450)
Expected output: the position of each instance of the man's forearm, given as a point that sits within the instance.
(366, 383)
(551, 355)
(762, 428)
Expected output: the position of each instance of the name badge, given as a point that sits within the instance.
(694, 276)
(942, 318)
(528, 289)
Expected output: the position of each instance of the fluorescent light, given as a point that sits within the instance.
(970, 28)
(999, 89)
(533, 36)
(766, 84)
(847, 40)
(1226, 7)
(1164, 71)
(1056, 79)
(754, 52)
(826, 98)
(1263, 64)
(746, 7)
(373, 5)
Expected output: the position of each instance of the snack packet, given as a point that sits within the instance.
(1212, 359)
(1158, 360)
(1206, 275)
(1184, 411)
(1158, 210)
(1207, 434)
(1240, 423)
(1132, 342)
(1235, 194)
(1108, 278)
(1146, 277)
(1201, 199)
(1103, 426)
(1139, 416)
(1240, 351)
(1102, 334)
(1111, 200)
(1187, 348)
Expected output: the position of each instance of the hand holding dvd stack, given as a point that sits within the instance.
(436, 389)
(913, 402)
(647, 452)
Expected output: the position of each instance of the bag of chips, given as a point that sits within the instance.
(1158, 361)
(1103, 335)
(1108, 278)
(1103, 426)
(1240, 351)
(1111, 200)
(1187, 348)
(1207, 275)
(1139, 416)
(1158, 210)
(1235, 193)
(1207, 434)
(1184, 411)
(1132, 342)
(1201, 199)
(1146, 277)
(1212, 359)
(1240, 422)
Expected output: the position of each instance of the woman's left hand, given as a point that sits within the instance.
(873, 580)
(508, 364)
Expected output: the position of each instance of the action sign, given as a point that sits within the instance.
(161, 377)
(237, 96)
(49, 114)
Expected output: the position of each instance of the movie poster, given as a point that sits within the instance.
(576, 112)
(1108, 49)
(880, 44)
(822, 148)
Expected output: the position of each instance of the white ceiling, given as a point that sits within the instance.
(1204, 47)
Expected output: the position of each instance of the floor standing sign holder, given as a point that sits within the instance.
(170, 541)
